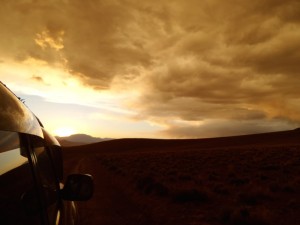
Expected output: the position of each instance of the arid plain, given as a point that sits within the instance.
(242, 180)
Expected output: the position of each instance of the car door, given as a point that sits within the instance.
(19, 199)
(47, 180)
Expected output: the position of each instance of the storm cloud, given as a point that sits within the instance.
(196, 68)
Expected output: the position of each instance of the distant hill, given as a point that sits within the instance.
(79, 139)
(280, 138)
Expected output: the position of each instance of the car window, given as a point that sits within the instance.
(49, 182)
(19, 202)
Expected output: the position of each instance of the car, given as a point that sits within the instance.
(31, 170)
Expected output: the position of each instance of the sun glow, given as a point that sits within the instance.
(64, 131)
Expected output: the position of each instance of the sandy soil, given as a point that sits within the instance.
(192, 181)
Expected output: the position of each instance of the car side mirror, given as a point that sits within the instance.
(78, 187)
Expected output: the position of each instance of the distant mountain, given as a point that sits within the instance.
(79, 139)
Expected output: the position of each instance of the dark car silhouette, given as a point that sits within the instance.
(31, 171)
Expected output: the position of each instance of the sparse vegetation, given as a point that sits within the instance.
(257, 185)
(190, 196)
(246, 216)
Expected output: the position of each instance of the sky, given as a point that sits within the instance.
(154, 69)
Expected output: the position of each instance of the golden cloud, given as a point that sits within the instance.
(220, 60)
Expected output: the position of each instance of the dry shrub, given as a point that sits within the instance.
(270, 167)
(185, 177)
(160, 190)
(291, 187)
(293, 205)
(191, 196)
(213, 177)
(143, 183)
(149, 186)
(254, 196)
(246, 216)
(239, 181)
(221, 189)
(274, 187)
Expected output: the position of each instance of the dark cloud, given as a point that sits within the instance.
(103, 43)
(195, 61)
(222, 128)
(37, 78)
(96, 40)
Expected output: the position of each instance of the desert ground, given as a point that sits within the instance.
(242, 180)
